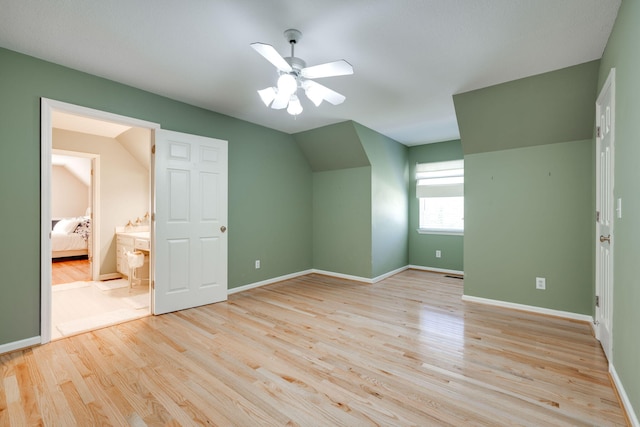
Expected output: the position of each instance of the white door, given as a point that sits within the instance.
(190, 243)
(605, 213)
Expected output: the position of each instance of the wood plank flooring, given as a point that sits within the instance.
(320, 351)
(70, 270)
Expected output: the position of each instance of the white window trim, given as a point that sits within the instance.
(440, 232)
(433, 172)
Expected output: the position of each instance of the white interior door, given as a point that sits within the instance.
(605, 214)
(190, 221)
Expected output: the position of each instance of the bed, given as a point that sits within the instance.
(70, 237)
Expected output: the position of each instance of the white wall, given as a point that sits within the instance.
(70, 196)
(124, 186)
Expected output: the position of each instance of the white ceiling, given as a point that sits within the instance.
(409, 56)
(80, 167)
(62, 120)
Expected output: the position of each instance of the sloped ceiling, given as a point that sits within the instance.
(80, 167)
(409, 57)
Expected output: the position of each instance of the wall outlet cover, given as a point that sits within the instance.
(541, 283)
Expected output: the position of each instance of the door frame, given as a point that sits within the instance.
(47, 107)
(599, 290)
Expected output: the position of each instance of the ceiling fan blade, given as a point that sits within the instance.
(272, 55)
(327, 94)
(330, 69)
(281, 101)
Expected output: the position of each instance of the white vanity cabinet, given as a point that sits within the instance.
(126, 242)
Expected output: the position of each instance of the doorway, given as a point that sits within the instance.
(75, 198)
(106, 297)
(191, 244)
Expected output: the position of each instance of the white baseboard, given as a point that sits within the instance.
(342, 276)
(623, 396)
(530, 308)
(110, 276)
(389, 274)
(268, 282)
(436, 270)
(17, 345)
(362, 279)
(333, 274)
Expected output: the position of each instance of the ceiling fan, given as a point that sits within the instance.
(294, 73)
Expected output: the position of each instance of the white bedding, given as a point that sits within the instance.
(67, 242)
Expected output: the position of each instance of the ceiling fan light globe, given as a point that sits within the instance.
(294, 107)
(267, 95)
(287, 84)
(314, 95)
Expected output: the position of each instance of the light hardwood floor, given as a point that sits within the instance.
(70, 270)
(320, 351)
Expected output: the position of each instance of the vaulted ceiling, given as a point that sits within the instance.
(409, 56)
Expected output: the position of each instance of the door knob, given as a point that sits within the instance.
(605, 239)
(223, 228)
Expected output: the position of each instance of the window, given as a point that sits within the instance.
(440, 188)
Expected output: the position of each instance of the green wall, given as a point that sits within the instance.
(422, 247)
(342, 221)
(529, 192)
(622, 53)
(332, 147)
(270, 181)
(389, 204)
(359, 199)
(528, 214)
(557, 106)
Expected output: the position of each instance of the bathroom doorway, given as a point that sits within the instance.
(122, 154)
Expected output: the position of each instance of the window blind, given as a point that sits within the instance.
(440, 179)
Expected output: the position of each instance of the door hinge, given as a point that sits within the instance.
(599, 132)
(153, 149)
(597, 300)
(597, 216)
(153, 284)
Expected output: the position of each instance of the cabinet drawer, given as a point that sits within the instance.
(124, 240)
(143, 244)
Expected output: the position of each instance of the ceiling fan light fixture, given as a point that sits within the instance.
(294, 73)
(267, 95)
(314, 94)
(287, 83)
(294, 107)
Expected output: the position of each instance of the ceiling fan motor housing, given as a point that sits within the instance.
(292, 35)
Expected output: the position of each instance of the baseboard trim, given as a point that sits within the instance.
(529, 308)
(436, 270)
(339, 276)
(342, 276)
(110, 276)
(267, 282)
(389, 274)
(18, 345)
(626, 403)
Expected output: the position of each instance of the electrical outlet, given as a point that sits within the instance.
(541, 283)
(257, 263)
(438, 254)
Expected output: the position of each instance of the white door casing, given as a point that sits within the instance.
(190, 245)
(605, 136)
(47, 107)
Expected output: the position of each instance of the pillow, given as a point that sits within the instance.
(66, 225)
